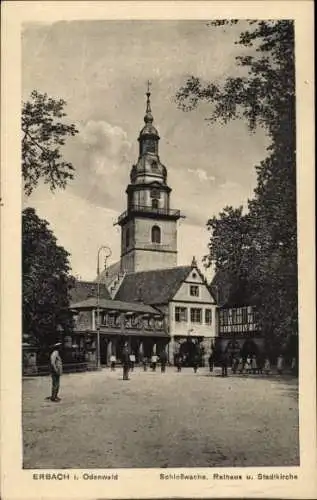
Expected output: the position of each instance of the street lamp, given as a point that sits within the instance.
(107, 253)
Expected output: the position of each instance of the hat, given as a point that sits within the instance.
(57, 344)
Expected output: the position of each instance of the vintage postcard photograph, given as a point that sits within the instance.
(159, 240)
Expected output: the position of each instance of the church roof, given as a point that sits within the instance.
(152, 287)
(116, 305)
(85, 289)
(107, 275)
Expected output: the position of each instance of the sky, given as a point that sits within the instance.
(101, 69)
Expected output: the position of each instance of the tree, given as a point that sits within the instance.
(46, 281)
(43, 135)
(230, 254)
(264, 97)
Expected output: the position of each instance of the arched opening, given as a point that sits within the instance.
(156, 234)
(191, 351)
(249, 348)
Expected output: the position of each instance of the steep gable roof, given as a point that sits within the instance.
(152, 287)
(85, 289)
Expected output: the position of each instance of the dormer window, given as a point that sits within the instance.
(154, 165)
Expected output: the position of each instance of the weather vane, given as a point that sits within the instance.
(149, 83)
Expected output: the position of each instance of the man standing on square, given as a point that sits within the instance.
(56, 371)
(125, 361)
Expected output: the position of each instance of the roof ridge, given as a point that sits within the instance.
(158, 270)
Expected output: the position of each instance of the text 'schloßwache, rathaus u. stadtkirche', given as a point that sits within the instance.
(146, 299)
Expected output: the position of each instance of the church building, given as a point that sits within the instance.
(150, 301)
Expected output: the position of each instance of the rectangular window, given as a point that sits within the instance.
(195, 315)
(180, 314)
(208, 316)
(244, 315)
(239, 316)
(229, 317)
(250, 317)
(234, 316)
(194, 290)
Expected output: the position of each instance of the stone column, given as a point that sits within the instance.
(171, 351)
(109, 350)
(154, 348)
(114, 342)
(141, 352)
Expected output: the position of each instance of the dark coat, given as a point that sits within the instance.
(163, 357)
(125, 357)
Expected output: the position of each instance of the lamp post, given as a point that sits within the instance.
(107, 252)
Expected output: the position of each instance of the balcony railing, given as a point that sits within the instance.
(149, 210)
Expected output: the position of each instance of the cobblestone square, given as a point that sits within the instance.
(161, 420)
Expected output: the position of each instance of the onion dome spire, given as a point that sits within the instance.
(149, 136)
(148, 118)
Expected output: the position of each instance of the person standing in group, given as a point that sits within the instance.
(248, 364)
(125, 362)
(260, 362)
(240, 366)
(235, 364)
(178, 362)
(154, 362)
(254, 364)
(56, 366)
(163, 360)
(280, 364)
(144, 362)
(294, 366)
(267, 366)
(211, 361)
(132, 361)
(224, 364)
(112, 362)
(196, 362)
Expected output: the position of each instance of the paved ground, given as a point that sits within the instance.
(161, 420)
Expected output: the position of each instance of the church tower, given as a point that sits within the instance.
(149, 225)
